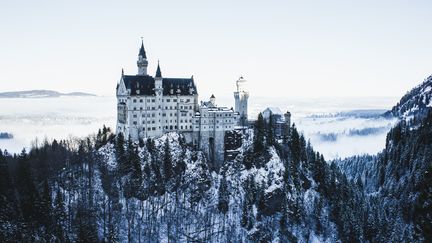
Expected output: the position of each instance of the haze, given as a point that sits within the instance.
(283, 48)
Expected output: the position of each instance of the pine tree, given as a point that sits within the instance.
(136, 175)
(271, 137)
(28, 194)
(167, 161)
(60, 217)
(259, 139)
(223, 202)
(120, 152)
(44, 206)
(8, 209)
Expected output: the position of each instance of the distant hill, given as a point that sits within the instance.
(416, 102)
(40, 94)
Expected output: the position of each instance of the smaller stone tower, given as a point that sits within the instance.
(213, 100)
(241, 97)
(287, 124)
(142, 62)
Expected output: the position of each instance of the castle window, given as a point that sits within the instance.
(181, 127)
(163, 114)
(174, 100)
(170, 107)
(196, 127)
(141, 108)
(153, 128)
(134, 108)
(135, 116)
(148, 100)
(171, 127)
(175, 127)
(153, 101)
(181, 100)
(153, 122)
(168, 100)
(141, 100)
(134, 122)
(181, 107)
(153, 108)
(134, 100)
(153, 114)
(190, 126)
(188, 100)
(166, 127)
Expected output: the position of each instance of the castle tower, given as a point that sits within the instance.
(159, 93)
(142, 62)
(287, 125)
(241, 97)
(213, 100)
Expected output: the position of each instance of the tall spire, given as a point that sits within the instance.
(142, 62)
(158, 71)
(142, 51)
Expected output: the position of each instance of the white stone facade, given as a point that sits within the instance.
(151, 106)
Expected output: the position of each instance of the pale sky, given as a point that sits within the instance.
(283, 48)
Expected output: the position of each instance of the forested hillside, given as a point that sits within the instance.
(110, 189)
(398, 183)
(416, 102)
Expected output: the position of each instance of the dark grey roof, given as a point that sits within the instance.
(142, 51)
(212, 97)
(146, 84)
(184, 84)
(158, 72)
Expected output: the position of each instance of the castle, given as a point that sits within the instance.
(150, 106)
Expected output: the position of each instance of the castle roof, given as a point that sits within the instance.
(142, 51)
(139, 84)
(274, 110)
(158, 72)
(183, 84)
(144, 85)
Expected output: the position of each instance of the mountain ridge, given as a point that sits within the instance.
(415, 102)
(40, 93)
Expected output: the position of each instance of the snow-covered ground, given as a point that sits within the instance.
(345, 134)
